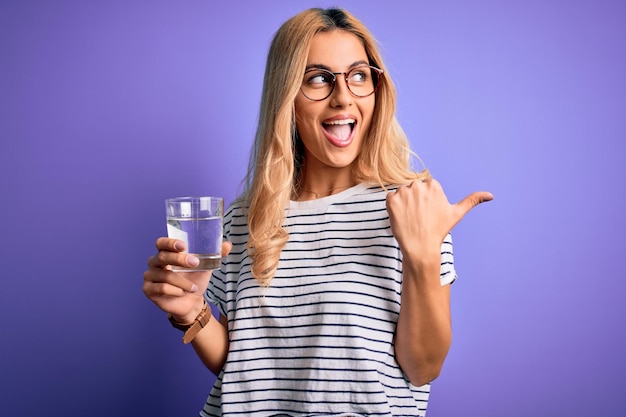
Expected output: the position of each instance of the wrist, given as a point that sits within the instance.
(422, 266)
(422, 259)
(198, 323)
(189, 318)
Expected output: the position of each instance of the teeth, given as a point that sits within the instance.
(340, 122)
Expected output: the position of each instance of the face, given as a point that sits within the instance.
(333, 129)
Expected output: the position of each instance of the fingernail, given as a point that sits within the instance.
(179, 245)
(193, 261)
(194, 288)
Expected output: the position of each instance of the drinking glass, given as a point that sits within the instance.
(197, 221)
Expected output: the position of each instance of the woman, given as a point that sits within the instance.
(334, 289)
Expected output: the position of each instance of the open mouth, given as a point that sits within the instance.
(339, 132)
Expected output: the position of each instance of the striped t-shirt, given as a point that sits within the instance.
(320, 340)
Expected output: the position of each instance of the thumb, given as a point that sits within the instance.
(226, 248)
(473, 200)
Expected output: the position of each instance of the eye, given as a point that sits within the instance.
(318, 78)
(359, 75)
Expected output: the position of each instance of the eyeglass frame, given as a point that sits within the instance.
(379, 73)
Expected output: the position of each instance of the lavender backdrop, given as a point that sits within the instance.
(108, 107)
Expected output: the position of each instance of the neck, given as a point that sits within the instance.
(318, 186)
(318, 181)
(306, 194)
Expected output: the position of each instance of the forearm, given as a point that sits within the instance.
(211, 345)
(424, 331)
(211, 342)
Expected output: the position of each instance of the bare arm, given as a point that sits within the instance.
(421, 217)
(181, 294)
(211, 344)
(424, 331)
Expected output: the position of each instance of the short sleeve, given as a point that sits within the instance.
(448, 273)
(216, 291)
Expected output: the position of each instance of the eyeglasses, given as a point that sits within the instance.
(362, 81)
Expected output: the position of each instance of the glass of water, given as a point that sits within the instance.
(197, 221)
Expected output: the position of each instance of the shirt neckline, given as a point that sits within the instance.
(327, 201)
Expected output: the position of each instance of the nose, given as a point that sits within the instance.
(341, 96)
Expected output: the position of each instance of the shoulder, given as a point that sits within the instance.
(235, 219)
(370, 193)
(237, 209)
(369, 196)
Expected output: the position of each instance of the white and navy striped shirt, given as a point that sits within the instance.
(319, 340)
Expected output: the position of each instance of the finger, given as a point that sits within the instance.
(168, 244)
(423, 181)
(165, 258)
(473, 200)
(171, 278)
(403, 189)
(397, 199)
(226, 248)
(160, 289)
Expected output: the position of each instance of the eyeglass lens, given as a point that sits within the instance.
(319, 83)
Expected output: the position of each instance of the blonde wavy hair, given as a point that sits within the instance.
(277, 156)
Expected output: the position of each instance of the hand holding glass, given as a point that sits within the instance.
(197, 221)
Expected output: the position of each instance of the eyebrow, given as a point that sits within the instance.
(322, 66)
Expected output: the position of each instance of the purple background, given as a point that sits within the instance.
(109, 107)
